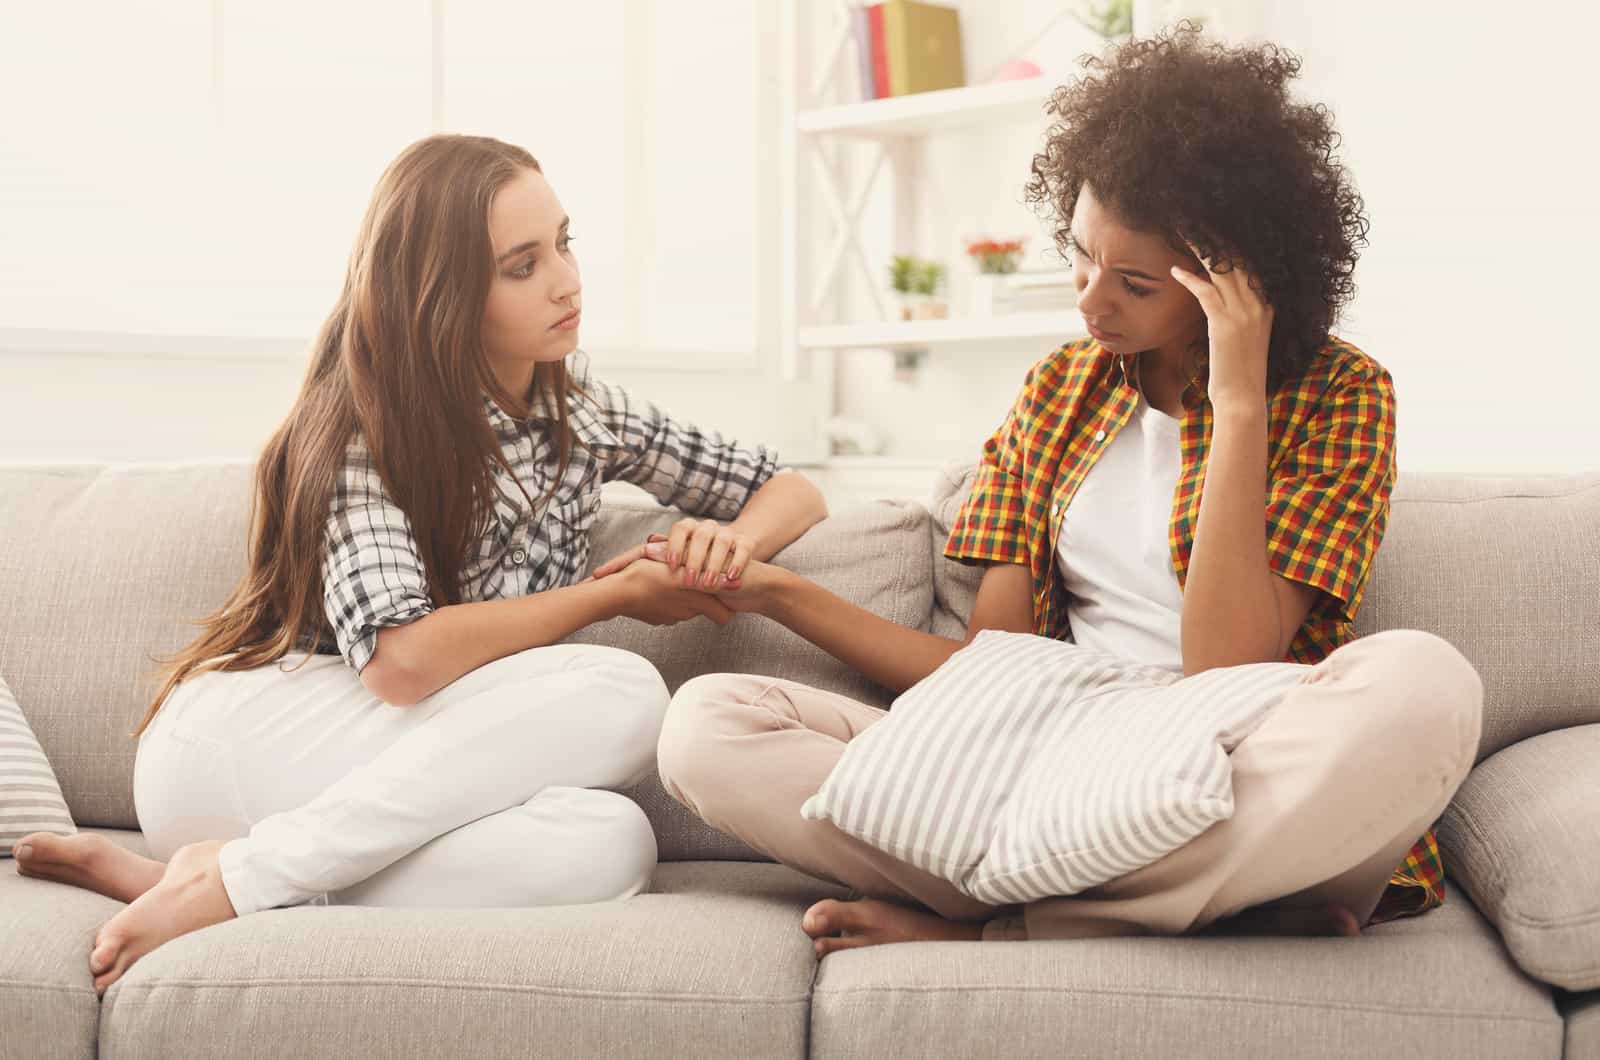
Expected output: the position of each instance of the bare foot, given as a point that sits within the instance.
(188, 897)
(92, 862)
(839, 925)
(1329, 920)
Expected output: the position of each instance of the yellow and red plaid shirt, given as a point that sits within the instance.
(1331, 468)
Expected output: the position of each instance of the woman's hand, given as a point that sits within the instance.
(707, 554)
(651, 593)
(1239, 321)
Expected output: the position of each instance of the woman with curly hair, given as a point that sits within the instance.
(383, 712)
(1200, 485)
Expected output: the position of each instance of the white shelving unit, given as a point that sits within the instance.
(921, 334)
(927, 113)
(820, 192)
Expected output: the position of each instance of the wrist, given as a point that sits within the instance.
(774, 596)
(612, 595)
(1245, 410)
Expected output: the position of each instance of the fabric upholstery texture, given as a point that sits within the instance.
(1522, 836)
(30, 798)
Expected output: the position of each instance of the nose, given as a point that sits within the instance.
(1094, 300)
(568, 283)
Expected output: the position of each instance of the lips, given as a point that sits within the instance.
(568, 322)
(1101, 333)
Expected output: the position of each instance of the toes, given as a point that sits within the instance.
(1345, 924)
(103, 981)
(104, 954)
(821, 919)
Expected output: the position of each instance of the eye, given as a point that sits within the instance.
(522, 272)
(566, 241)
(1135, 290)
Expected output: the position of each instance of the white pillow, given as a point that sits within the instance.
(1025, 768)
(30, 798)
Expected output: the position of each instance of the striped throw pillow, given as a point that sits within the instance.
(30, 798)
(1025, 768)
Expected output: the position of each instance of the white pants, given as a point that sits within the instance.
(483, 794)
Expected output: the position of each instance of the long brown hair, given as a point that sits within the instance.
(399, 362)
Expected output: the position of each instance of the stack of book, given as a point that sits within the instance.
(905, 47)
(1026, 291)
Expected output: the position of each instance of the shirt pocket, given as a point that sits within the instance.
(565, 529)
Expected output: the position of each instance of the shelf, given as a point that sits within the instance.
(927, 112)
(1060, 326)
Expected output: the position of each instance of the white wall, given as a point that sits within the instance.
(1472, 140)
(179, 203)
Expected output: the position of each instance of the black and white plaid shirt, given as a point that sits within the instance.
(373, 577)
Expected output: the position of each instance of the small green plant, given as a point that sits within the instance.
(1113, 20)
(903, 272)
(929, 278)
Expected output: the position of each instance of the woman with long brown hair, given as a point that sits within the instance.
(381, 714)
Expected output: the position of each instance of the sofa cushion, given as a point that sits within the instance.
(955, 585)
(30, 798)
(874, 555)
(1508, 571)
(1024, 767)
(102, 568)
(48, 1008)
(1583, 1026)
(1439, 984)
(711, 963)
(1522, 836)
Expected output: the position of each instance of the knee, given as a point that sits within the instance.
(640, 699)
(618, 851)
(686, 752)
(1433, 695)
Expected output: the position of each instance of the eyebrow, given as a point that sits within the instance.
(532, 244)
(1124, 271)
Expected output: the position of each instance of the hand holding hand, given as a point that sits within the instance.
(652, 594)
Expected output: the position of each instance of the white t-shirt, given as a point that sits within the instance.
(1113, 553)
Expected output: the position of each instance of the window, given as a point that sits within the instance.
(199, 167)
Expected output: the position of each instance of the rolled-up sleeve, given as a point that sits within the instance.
(992, 526)
(372, 572)
(1328, 500)
(677, 463)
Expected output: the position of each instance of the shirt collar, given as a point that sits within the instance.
(1123, 369)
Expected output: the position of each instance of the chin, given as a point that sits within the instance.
(558, 350)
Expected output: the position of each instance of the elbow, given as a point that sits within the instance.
(391, 678)
(813, 505)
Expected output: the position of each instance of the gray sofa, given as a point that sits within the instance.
(100, 567)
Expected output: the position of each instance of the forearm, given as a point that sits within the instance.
(1230, 608)
(417, 659)
(890, 654)
(780, 511)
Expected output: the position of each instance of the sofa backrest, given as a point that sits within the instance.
(1506, 569)
(103, 568)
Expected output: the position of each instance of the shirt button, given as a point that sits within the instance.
(1099, 436)
(519, 557)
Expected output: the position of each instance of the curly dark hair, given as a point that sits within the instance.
(1200, 141)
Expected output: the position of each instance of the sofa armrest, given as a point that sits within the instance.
(1522, 837)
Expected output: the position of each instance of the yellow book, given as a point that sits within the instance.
(923, 42)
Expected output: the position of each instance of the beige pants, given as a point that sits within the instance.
(1330, 792)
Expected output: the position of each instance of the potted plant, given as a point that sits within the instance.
(928, 282)
(918, 282)
(995, 258)
(902, 277)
